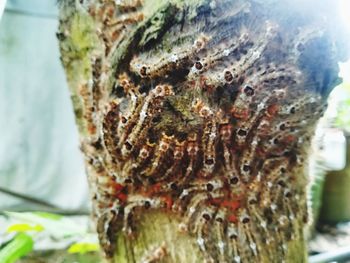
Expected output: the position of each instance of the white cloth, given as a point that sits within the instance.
(2, 6)
(39, 148)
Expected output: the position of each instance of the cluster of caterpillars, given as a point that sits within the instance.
(215, 130)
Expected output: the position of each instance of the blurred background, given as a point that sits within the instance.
(39, 147)
(41, 167)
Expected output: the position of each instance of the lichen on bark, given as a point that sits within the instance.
(195, 121)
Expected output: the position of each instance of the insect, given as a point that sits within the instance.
(207, 130)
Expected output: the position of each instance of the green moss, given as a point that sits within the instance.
(82, 33)
(83, 40)
(81, 46)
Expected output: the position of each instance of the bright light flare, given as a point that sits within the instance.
(2, 6)
(344, 10)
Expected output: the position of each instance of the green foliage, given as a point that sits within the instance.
(83, 247)
(24, 228)
(56, 226)
(79, 49)
(18, 247)
(29, 224)
(343, 115)
(48, 215)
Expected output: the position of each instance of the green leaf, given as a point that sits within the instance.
(48, 215)
(83, 247)
(24, 228)
(20, 246)
(58, 227)
(342, 119)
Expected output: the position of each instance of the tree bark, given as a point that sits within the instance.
(195, 120)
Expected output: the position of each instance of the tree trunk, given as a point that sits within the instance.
(195, 120)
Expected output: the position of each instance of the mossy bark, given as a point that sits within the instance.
(197, 114)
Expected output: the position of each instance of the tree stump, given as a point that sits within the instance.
(195, 120)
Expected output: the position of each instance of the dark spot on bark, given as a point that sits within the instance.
(244, 51)
(246, 168)
(169, 132)
(118, 91)
(249, 91)
(143, 71)
(245, 220)
(198, 65)
(219, 219)
(253, 201)
(125, 190)
(288, 194)
(174, 187)
(121, 211)
(242, 132)
(128, 181)
(151, 180)
(209, 161)
(128, 145)
(228, 76)
(147, 204)
(206, 217)
(156, 119)
(60, 36)
(305, 218)
(152, 137)
(210, 187)
(234, 180)
(97, 144)
(233, 236)
(282, 183)
(144, 89)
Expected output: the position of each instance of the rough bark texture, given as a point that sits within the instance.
(195, 120)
